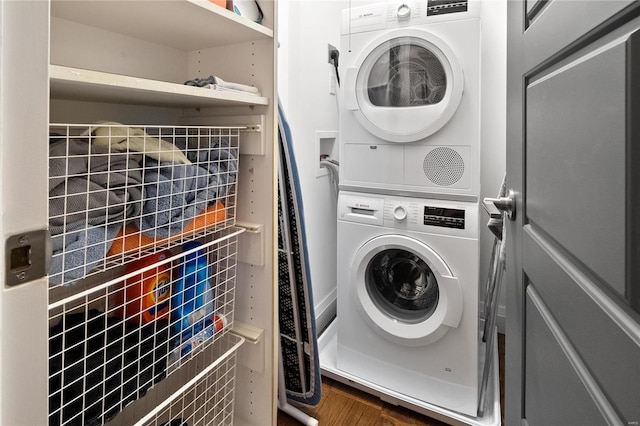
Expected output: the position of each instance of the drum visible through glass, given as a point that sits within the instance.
(402, 285)
(406, 75)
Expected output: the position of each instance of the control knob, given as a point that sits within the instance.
(400, 213)
(404, 11)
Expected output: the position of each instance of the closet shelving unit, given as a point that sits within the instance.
(85, 61)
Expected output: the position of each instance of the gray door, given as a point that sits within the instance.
(573, 161)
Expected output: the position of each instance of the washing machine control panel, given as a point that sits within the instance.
(408, 214)
(444, 217)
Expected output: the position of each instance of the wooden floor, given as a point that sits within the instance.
(343, 405)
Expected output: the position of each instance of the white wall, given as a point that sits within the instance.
(493, 14)
(306, 27)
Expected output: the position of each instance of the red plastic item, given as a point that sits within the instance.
(146, 296)
(219, 322)
(221, 3)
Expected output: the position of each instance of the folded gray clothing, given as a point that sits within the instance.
(93, 193)
(221, 158)
(78, 252)
(88, 185)
(175, 193)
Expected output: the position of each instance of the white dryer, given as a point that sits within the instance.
(410, 112)
(408, 297)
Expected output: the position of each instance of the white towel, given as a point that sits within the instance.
(221, 84)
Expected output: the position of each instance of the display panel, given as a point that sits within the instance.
(444, 217)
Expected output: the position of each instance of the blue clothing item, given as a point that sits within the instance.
(78, 252)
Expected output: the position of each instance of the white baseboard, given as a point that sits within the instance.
(325, 311)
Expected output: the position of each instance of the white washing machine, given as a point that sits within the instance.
(410, 110)
(408, 297)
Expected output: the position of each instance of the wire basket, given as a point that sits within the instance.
(206, 400)
(149, 331)
(118, 193)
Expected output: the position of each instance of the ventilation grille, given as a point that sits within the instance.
(443, 166)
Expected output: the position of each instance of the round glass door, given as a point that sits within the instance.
(402, 285)
(404, 290)
(406, 75)
(407, 85)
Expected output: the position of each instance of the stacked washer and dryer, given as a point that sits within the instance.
(408, 209)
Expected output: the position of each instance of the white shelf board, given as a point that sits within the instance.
(188, 25)
(87, 85)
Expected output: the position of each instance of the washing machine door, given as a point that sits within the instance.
(405, 86)
(405, 291)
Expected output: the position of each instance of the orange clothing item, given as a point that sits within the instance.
(130, 238)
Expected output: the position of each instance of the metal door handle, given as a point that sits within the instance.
(496, 206)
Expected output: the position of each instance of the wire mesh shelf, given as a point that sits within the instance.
(112, 344)
(208, 399)
(118, 193)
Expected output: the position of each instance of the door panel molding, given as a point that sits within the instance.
(598, 329)
(535, 238)
(607, 411)
(533, 10)
(549, 39)
(618, 97)
(568, 154)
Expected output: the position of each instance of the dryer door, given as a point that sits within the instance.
(405, 86)
(405, 291)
